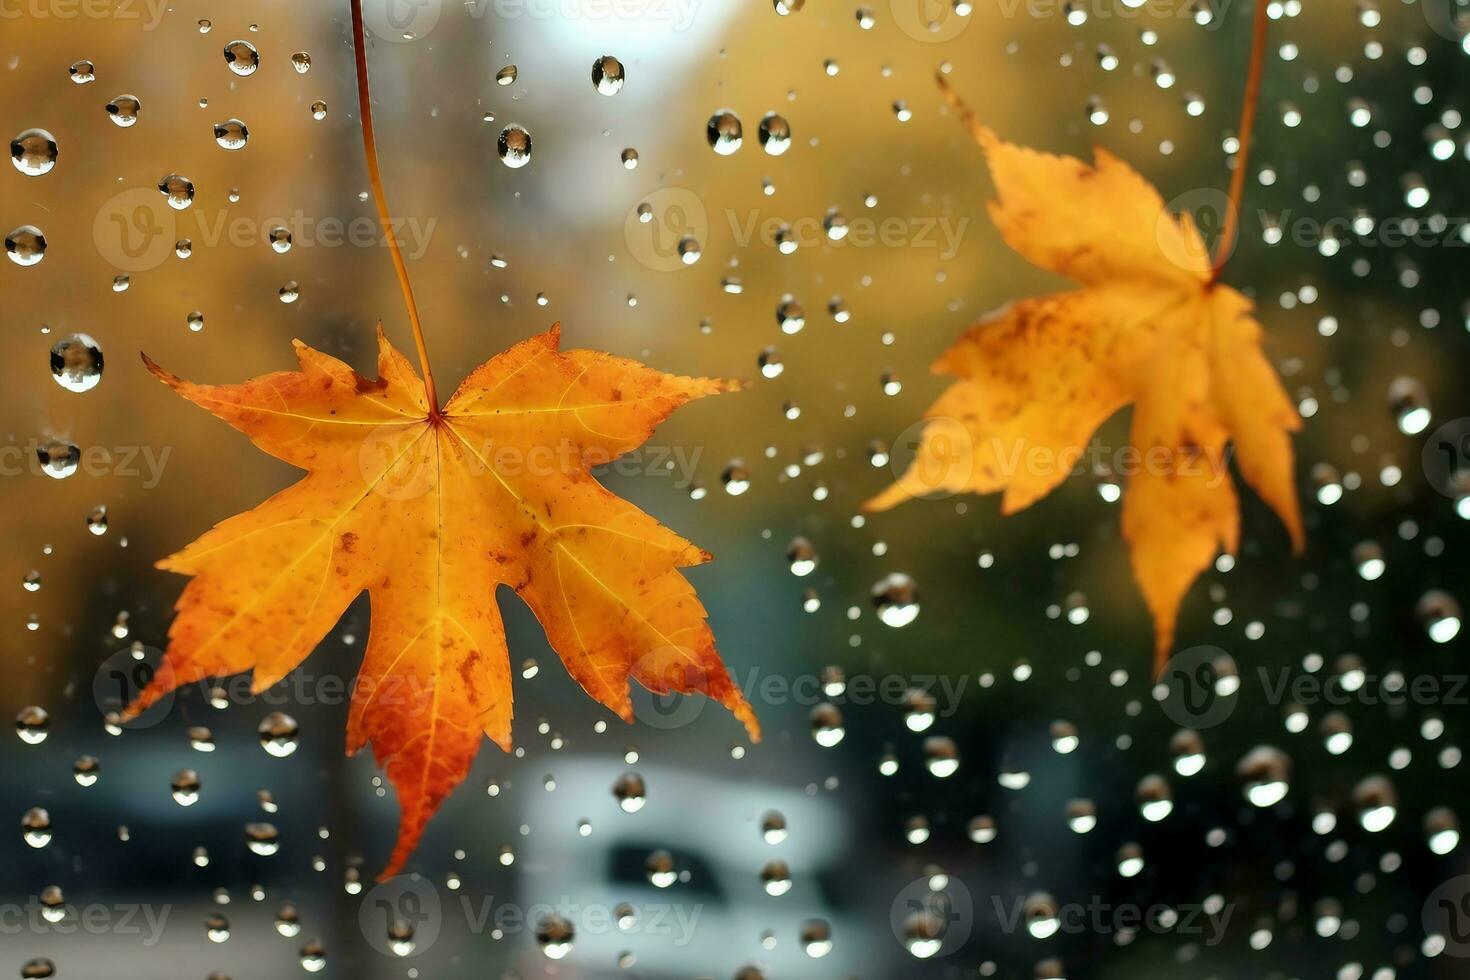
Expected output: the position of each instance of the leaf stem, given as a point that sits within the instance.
(1226, 245)
(380, 197)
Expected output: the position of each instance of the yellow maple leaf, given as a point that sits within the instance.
(430, 511)
(1150, 327)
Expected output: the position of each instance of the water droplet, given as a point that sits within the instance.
(801, 557)
(941, 756)
(659, 869)
(301, 61)
(896, 600)
(262, 838)
(514, 146)
(178, 189)
(313, 957)
(773, 827)
(1377, 802)
(32, 724)
(816, 938)
(59, 459)
(506, 75)
(76, 362)
(318, 109)
(630, 791)
(724, 132)
(35, 826)
(242, 57)
(775, 134)
(1439, 613)
(33, 152)
(82, 72)
(232, 134)
(185, 787)
(53, 903)
(607, 75)
(288, 921)
(1265, 772)
(86, 770)
(1408, 399)
(826, 724)
(554, 934)
(776, 878)
(735, 478)
(26, 245)
(124, 110)
(279, 734)
(790, 316)
(216, 927)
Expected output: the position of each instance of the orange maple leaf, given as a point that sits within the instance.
(1150, 327)
(430, 511)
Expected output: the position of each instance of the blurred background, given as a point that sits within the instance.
(1090, 829)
